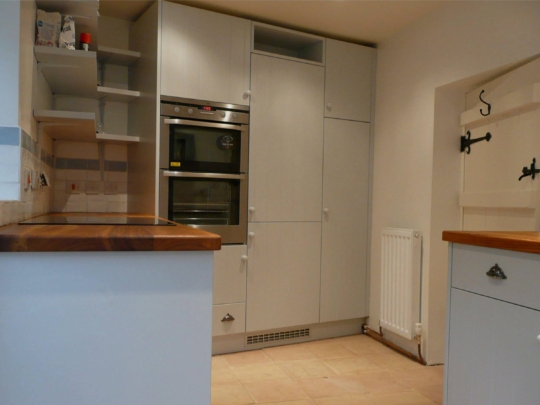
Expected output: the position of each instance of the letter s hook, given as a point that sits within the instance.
(489, 105)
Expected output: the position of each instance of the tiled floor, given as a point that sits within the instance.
(344, 371)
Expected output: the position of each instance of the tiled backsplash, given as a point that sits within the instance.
(90, 177)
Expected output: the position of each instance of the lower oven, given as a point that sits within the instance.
(214, 202)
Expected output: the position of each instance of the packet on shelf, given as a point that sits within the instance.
(67, 36)
(48, 28)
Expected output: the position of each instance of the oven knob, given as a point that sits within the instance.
(222, 114)
(235, 116)
(176, 109)
(190, 111)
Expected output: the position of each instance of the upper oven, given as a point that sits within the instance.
(203, 166)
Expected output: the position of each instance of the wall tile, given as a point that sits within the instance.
(97, 206)
(75, 207)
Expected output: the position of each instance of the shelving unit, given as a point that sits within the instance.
(115, 56)
(118, 95)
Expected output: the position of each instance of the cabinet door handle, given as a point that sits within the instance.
(246, 94)
(244, 258)
(228, 318)
(329, 106)
(496, 272)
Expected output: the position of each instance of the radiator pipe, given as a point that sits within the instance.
(378, 336)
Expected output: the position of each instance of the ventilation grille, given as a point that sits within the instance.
(276, 336)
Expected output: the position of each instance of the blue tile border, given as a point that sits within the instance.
(89, 164)
(10, 136)
(115, 166)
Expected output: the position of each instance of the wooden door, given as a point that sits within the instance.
(283, 275)
(286, 140)
(345, 220)
(348, 81)
(204, 55)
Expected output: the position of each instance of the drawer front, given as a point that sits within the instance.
(470, 264)
(230, 265)
(221, 326)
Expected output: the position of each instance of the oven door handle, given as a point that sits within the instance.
(168, 173)
(176, 121)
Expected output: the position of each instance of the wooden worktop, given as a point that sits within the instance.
(73, 238)
(528, 242)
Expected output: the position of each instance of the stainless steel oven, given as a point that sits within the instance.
(203, 166)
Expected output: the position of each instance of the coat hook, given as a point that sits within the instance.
(489, 105)
(466, 141)
(530, 172)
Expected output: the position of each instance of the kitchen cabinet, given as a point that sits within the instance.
(493, 345)
(348, 81)
(286, 140)
(205, 55)
(283, 282)
(345, 220)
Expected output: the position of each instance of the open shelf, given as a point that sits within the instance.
(112, 138)
(119, 95)
(514, 103)
(288, 44)
(115, 56)
(68, 72)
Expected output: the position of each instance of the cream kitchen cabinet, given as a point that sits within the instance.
(205, 55)
(493, 346)
(348, 81)
(284, 275)
(345, 220)
(286, 140)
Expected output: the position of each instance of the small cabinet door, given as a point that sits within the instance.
(345, 220)
(230, 265)
(284, 275)
(348, 81)
(286, 140)
(493, 352)
(204, 55)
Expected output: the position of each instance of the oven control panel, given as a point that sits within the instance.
(200, 110)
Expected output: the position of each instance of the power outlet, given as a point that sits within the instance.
(111, 187)
(74, 187)
(93, 187)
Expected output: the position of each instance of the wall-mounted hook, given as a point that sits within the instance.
(489, 105)
(530, 171)
(466, 141)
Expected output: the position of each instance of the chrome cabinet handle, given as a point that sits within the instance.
(228, 318)
(496, 272)
(167, 173)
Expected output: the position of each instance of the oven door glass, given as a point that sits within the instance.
(196, 201)
(204, 149)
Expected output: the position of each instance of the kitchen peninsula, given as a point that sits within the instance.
(105, 314)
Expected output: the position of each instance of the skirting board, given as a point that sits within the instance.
(237, 343)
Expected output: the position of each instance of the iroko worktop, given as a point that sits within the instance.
(527, 242)
(73, 238)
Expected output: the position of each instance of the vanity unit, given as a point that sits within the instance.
(493, 340)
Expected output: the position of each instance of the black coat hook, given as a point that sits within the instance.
(489, 105)
(466, 141)
(530, 172)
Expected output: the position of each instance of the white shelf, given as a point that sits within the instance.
(514, 103)
(68, 72)
(119, 95)
(111, 138)
(115, 56)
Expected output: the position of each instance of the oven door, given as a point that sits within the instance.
(214, 202)
(199, 146)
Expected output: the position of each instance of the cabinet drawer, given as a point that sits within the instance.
(219, 312)
(470, 264)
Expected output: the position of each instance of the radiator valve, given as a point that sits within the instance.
(418, 332)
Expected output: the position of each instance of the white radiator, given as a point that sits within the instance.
(401, 268)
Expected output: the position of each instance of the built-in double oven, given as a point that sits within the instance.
(204, 166)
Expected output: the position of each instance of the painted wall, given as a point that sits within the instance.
(416, 165)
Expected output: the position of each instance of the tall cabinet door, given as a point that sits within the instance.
(345, 220)
(348, 81)
(286, 140)
(283, 275)
(204, 55)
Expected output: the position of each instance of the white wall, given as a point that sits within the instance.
(413, 182)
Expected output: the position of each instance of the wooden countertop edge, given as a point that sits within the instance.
(527, 242)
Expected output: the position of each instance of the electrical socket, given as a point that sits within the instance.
(74, 187)
(93, 187)
(111, 187)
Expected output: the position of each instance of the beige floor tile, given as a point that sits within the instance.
(417, 377)
(288, 353)
(393, 361)
(349, 399)
(306, 368)
(299, 402)
(259, 372)
(351, 364)
(246, 358)
(400, 398)
(329, 350)
(378, 381)
(433, 392)
(330, 386)
(223, 375)
(218, 363)
(230, 394)
(363, 344)
(439, 369)
(274, 391)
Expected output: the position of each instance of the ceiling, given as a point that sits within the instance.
(366, 22)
